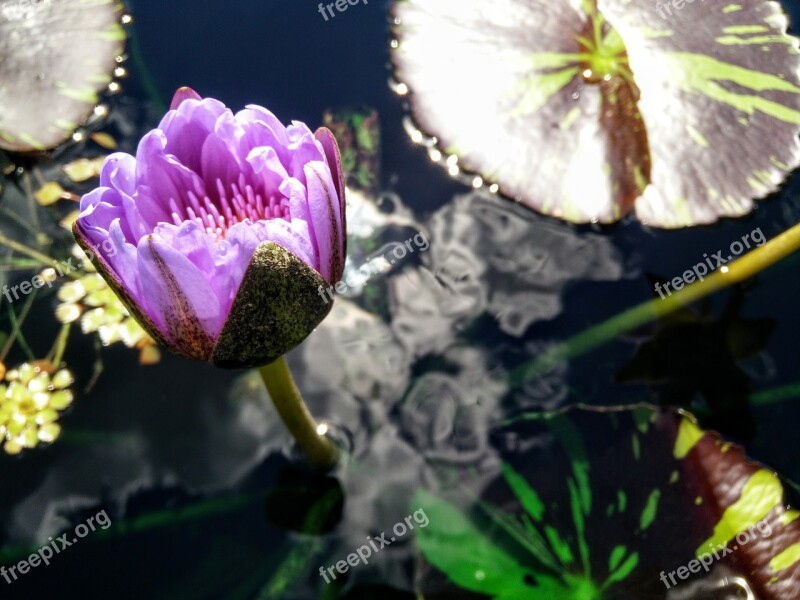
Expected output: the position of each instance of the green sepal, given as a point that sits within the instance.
(279, 303)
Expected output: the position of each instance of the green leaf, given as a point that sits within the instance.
(626, 569)
(617, 554)
(454, 545)
(527, 495)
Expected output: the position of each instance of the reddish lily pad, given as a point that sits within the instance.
(57, 55)
(589, 110)
(642, 498)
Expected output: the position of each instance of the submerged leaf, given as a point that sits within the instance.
(460, 549)
(587, 110)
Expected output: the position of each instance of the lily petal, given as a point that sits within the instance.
(181, 95)
(325, 211)
(179, 299)
(325, 137)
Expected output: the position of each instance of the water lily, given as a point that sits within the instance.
(218, 234)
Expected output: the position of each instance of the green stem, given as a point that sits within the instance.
(43, 259)
(27, 251)
(319, 450)
(739, 270)
(28, 189)
(12, 216)
(775, 395)
(16, 331)
(56, 354)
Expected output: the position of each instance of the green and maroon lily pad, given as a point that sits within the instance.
(55, 57)
(615, 503)
(590, 109)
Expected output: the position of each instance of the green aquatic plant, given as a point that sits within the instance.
(589, 110)
(89, 300)
(357, 130)
(31, 398)
(654, 493)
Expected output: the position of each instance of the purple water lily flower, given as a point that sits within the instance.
(218, 235)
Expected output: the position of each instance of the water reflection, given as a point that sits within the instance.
(489, 255)
(447, 412)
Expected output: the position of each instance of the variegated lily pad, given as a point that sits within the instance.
(607, 504)
(55, 57)
(588, 109)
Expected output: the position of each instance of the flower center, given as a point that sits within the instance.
(602, 49)
(225, 205)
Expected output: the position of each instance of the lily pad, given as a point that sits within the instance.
(590, 109)
(57, 55)
(642, 498)
(83, 169)
(50, 193)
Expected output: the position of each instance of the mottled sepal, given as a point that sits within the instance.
(278, 305)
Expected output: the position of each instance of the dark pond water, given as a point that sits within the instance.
(419, 372)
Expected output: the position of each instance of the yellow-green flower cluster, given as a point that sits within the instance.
(100, 311)
(30, 400)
